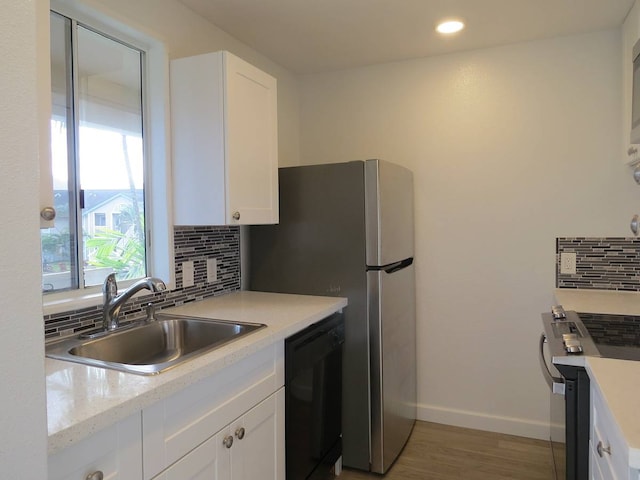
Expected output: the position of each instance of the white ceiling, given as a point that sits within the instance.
(308, 36)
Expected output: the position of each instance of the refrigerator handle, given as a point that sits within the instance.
(393, 267)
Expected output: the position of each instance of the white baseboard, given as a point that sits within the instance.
(482, 421)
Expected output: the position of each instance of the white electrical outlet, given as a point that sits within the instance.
(187, 274)
(568, 263)
(212, 270)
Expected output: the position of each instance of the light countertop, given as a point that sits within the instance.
(82, 400)
(599, 301)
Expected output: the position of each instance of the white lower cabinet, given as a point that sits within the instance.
(114, 452)
(185, 435)
(228, 426)
(609, 458)
(258, 446)
(249, 448)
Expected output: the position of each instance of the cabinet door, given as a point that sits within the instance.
(251, 144)
(115, 451)
(608, 449)
(44, 115)
(225, 141)
(197, 125)
(630, 35)
(258, 448)
(209, 461)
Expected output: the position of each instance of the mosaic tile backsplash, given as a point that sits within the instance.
(196, 244)
(611, 263)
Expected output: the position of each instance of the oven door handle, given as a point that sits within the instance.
(556, 384)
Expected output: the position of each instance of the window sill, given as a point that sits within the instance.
(62, 302)
(70, 301)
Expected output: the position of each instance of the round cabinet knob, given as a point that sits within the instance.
(228, 441)
(602, 449)
(240, 433)
(48, 214)
(635, 225)
(95, 476)
(636, 174)
(236, 215)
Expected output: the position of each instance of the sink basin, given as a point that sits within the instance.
(152, 347)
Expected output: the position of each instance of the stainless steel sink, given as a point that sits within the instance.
(152, 347)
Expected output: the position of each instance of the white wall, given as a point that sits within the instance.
(23, 442)
(510, 147)
(186, 33)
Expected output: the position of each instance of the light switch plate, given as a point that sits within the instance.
(212, 270)
(187, 274)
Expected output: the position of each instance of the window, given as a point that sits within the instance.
(98, 159)
(116, 220)
(109, 142)
(100, 219)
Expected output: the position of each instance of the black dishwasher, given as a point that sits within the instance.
(313, 399)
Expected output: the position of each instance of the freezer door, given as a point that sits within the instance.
(391, 299)
(389, 212)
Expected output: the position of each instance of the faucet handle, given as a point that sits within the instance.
(110, 286)
(151, 312)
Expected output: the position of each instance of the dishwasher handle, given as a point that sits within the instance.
(556, 384)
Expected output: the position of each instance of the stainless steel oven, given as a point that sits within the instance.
(567, 339)
(563, 345)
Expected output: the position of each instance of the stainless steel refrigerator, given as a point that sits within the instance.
(346, 229)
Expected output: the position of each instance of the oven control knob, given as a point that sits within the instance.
(558, 312)
(573, 346)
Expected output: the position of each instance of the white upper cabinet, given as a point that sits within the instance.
(630, 35)
(225, 141)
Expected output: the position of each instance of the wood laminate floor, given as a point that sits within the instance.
(442, 452)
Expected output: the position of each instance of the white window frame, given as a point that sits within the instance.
(158, 198)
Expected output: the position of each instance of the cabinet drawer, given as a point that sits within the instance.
(176, 425)
(613, 457)
(115, 451)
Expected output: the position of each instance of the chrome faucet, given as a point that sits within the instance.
(114, 302)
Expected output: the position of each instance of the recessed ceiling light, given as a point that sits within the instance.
(450, 26)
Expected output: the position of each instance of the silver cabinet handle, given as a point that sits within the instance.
(48, 214)
(240, 433)
(236, 215)
(228, 441)
(602, 449)
(95, 476)
(635, 225)
(632, 151)
(636, 174)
